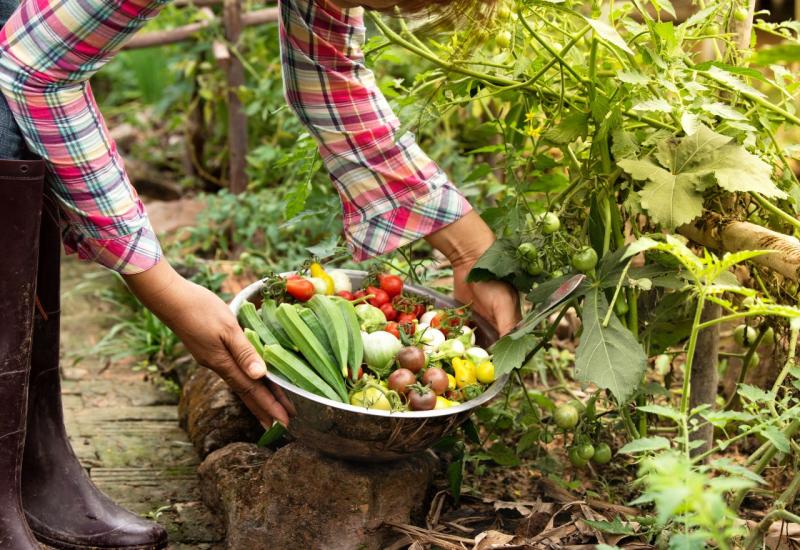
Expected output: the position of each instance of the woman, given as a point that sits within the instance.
(391, 194)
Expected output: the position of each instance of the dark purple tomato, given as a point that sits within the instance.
(436, 378)
(400, 379)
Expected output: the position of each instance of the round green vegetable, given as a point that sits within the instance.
(550, 223)
(586, 451)
(621, 306)
(503, 39)
(566, 417)
(741, 14)
(534, 267)
(576, 459)
(528, 251)
(602, 454)
(584, 260)
(769, 337)
(754, 361)
(745, 335)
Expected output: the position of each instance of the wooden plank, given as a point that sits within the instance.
(237, 119)
(190, 32)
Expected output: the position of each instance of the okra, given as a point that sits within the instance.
(330, 317)
(355, 349)
(310, 347)
(314, 324)
(296, 371)
(248, 318)
(268, 316)
(254, 339)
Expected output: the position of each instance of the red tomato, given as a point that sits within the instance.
(389, 311)
(359, 294)
(391, 328)
(406, 318)
(379, 296)
(350, 373)
(300, 289)
(292, 277)
(419, 309)
(346, 295)
(391, 284)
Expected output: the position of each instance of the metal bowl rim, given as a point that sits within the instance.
(490, 393)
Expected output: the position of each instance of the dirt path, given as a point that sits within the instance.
(125, 430)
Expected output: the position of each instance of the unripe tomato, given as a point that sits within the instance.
(769, 337)
(576, 459)
(528, 251)
(550, 223)
(503, 39)
(484, 372)
(754, 361)
(584, 260)
(503, 12)
(556, 274)
(621, 306)
(602, 454)
(586, 451)
(741, 14)
(566, 417)
(534, 267)
(745, 335)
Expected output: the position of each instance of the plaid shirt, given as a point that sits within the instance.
(391, 192)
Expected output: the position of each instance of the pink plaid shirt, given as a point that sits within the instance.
(391, 192)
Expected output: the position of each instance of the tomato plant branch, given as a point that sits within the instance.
(687, 367)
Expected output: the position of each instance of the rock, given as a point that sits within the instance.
(213, 415)
(297, 498)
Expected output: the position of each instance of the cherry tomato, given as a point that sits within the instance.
(400, 380)
(503, 12)
(576, 459)
(586, 451)
(350, 373)
(358, 294)
(419, 309)
(584, 260)
(346, 295)
(754, 361)
(421, 401)
(566, 417)
(534, 267)
(300, 289)
(391, 284)
(745, 335)
(392, 328)
(406, 318)
(389, 311)
(602, 454)
(437, 379)
(379, 296)
(528, 251)
(741, 14)
(769, 337)
(503, 39)
(550, 223)
(411, 358)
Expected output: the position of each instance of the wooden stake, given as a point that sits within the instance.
(237, 120)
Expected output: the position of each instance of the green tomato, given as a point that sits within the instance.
(546, 437)
(534, 267)
(790, 287)
(712, 29)
(749, 302)
(550, 223)
(621, 306)
(602, 454)
(741, 14)
(576, 459)
(586, 451)
(528, 251)
(579, 406)
(584, 260)
(556, 274)
(754, 361)
(503, 39)
(503, 12)
(769, 337)
(745, 335)
(566, 417)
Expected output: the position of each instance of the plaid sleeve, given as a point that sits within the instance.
(48, 51)
(391, 192)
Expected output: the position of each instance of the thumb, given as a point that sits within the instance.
(246, 356)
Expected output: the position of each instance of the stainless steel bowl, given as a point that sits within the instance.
(368, 435)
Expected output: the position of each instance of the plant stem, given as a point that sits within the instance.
(757, 536)
(687, 367)
(765, 204)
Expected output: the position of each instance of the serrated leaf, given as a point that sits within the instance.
(697, 147)
(644, 445)
(727, 78)
(609, 34)
(609, 357)
(296, 199)
(731, 467)
(503, 455)
(672, 200)
(657, 105)
(777, 438)
(720, 419)
(661, 410)
(735, 169)
(755, 394)
(570, 128)
(498, 261)
(723, 111)
(633, 77)
(509, 354)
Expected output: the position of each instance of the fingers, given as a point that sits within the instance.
(255, 395)
(278, 392)
(245, 355)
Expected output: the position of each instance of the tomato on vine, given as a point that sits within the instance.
(550, 223)
(503, 39)
(602, 454)
(584, 260)
(566, 417)
(576, 459)
(528, 251)
(745, 335)
(391, 284)
(586, 451)
(300, 289)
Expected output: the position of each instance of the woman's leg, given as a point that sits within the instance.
(63, 507)
(20, 210)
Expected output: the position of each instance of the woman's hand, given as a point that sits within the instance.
(463, 243)
(210, 332)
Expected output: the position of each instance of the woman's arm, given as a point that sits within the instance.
(48, 51)
(391, 192)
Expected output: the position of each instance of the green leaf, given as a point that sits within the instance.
(274, 434)
(697, 147)
(671, 200)
(509, 354)
(296, 199)
(503, 455)
(755, 394)
(782, 53)
(723, 111)
(661, 410)
(720, 419)
(609, 34)
(657, 105)
(455, 476)
(729, 466)
(777, 438)
(737, 170)
(726, 77)
(570, 128)
(325, 248)
(499, 260)
(633, 77)
(644, 445)
(616, 527)
(609, 357)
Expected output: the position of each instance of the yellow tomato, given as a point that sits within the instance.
(485, 372)
(443, 403)
(465, 372)
(371, 398)
(451, 382)
(319, 272)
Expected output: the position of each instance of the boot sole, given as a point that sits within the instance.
(61, 545)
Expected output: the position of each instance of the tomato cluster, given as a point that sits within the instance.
(580, 419)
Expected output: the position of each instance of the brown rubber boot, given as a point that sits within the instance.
(21, 203)
(63, 507)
